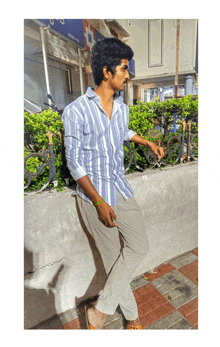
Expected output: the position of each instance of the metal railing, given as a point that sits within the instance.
(183, 145)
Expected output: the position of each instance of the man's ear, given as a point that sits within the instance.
(106, 73)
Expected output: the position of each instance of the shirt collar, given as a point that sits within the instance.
(92, 95)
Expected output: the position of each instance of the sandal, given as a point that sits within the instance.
(88, 325)
(134, 327)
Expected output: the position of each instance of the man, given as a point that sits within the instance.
(96, 126)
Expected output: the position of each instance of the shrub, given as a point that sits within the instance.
(38, 125)
(143, 118)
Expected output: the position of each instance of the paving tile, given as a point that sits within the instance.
(74, 324)
(172, 284)
(167, 321)
(184, 288)
(168, 300)
(138, 282)
(145, 322)
(116, 324)
(183, 260)
(166, 278)
(142, 290)
(195, 252)
(159, 271)
(182, 324)
(114, 317)
(143, 310)
(185, 298)
(176, 288)
(191, 271)
(152, 306)
(156, 315)
(190, 312)
(69, 325)
(145, 294)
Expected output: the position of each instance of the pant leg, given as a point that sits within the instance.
(106, 239)
(117, 290)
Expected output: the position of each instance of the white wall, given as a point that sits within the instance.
(138, 41)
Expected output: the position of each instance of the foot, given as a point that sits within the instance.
(134, 324)
(96, 318)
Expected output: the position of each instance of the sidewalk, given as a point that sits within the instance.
(167, 298)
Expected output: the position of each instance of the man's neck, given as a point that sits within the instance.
(105, 93)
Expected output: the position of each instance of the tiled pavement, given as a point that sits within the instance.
(167, 298)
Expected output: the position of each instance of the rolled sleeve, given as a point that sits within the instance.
(129, 134)
(73, 129)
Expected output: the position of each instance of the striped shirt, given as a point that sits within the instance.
(94, 145)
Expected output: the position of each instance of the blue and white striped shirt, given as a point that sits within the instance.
(94, 145)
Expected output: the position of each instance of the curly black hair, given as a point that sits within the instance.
(108, 52)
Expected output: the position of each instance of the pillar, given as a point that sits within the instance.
(189, 84)
(161, 94)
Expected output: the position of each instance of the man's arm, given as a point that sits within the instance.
(73, 125)
(134, 137)
(105, 213)
(157, 150)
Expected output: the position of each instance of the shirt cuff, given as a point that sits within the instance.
(78, 173)
(129, 135)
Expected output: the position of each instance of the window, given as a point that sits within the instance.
(69, 81)
(155, 42)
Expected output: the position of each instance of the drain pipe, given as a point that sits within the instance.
(81, 71)
(45, 59)
(177, 56)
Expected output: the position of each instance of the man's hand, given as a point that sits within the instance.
(157, 150)
(106, 214)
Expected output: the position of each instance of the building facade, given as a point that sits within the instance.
(154, 42)
(57, 58)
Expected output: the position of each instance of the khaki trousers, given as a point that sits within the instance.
(120, 264)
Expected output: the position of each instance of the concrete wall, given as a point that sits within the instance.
(62, 264)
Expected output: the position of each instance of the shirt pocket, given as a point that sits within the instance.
(88, 137)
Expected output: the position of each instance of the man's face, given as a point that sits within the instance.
(119, 79)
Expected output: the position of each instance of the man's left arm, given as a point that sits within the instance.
(134, 137)
(157, 150)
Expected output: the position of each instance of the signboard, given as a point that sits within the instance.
(72, 29)
(80, 32)
(131, 65)
(76, 30)
(91, 36)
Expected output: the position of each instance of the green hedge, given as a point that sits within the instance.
(142, 120)
(144, 115)
(38, 125)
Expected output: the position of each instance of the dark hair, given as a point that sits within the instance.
(108, 52)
